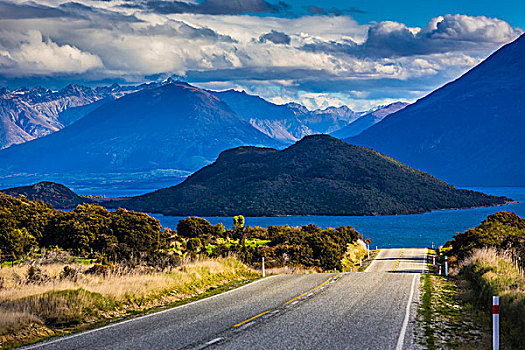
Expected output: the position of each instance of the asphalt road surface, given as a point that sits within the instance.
(370, 310)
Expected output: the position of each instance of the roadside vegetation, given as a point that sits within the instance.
(66, 271)
(487, 260)
(50, 297)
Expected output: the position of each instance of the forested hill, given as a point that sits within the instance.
(59, 196)
(318, 175)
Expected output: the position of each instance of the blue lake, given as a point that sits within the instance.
(418, 230)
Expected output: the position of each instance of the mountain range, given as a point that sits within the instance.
(27, 114)
(319, 175)
(170, 127)
(117, 146)
(290, 122)
(368, 120)
(468, 132)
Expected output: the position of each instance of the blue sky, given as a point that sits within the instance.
(417, 13)
(359, 53)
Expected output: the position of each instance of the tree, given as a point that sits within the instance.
(193, 227)
(194, 245)
(219, 230)
(16, 242)
(238, 222)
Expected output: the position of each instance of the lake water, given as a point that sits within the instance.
(417, 230)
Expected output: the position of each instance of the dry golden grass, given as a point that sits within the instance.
(57, 302)
(498, 268)
(492, 273)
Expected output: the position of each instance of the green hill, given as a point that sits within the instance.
(318, 175)
(59, 196)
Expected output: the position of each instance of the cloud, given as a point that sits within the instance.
(221, 43)
(215, 7)
(23, 11)
(36, 56)
(443, 34)
(275, 37)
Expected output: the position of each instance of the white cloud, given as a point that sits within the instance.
(324, 56)
(39, 56)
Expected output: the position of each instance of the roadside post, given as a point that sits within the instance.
(439, 272)
(368, 241)
(263, 272)
(446, 266)
(433, 260)
(495, 322)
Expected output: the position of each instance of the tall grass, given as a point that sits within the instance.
(53, 297)
(492, 272)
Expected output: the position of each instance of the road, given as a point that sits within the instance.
(370, 310)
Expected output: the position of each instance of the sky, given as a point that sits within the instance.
(317, 53)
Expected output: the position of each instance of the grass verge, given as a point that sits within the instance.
(445, 320)
(35, 306)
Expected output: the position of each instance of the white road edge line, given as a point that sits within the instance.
(373, 261)
(44, 344)
(213, 341)
(401, 338)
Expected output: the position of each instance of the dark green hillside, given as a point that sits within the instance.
(318, 175)
(59, 196)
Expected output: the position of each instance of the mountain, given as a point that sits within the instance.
(281, 122)
(27, 114)
(171, 127)
(366, 121)
(289, 122)
(319, 175)
(330, 119)
(59, 196)
(469, 132)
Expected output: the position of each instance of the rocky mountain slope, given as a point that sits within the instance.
(27, 114)
(368, 120)
(287, 123)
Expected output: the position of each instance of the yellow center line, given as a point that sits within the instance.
(251, 318)
(397, 261)
(288, 302)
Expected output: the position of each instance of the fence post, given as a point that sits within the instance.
(263, 272)
(495, 322)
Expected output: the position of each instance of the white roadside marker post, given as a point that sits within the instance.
(495, 322)
(433, 260)
(360, 262)
(263, 272)
(368, 250)
(439, 273)
(446, 266)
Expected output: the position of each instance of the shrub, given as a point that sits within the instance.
(193, 227)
